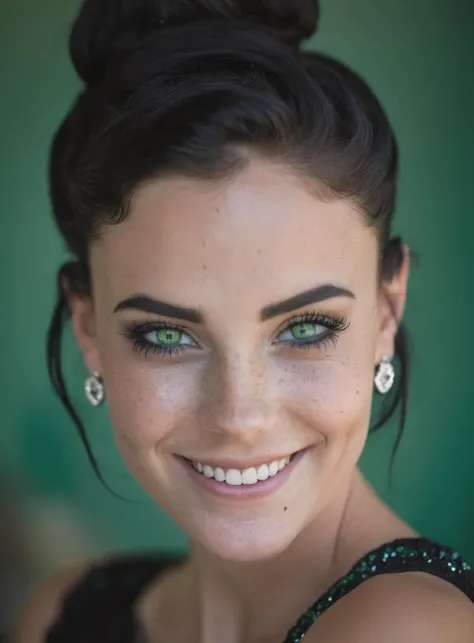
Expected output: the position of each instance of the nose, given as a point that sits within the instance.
(238, 401)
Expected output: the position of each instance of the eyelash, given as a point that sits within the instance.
(335, 324)
(136, 334)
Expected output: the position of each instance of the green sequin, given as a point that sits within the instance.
(386, 559)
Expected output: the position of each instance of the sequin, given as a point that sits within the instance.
(417, 554)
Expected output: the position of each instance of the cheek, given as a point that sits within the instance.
(333, 397)
(147, 402)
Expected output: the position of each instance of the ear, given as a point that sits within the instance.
(391, 306)
(83, 325)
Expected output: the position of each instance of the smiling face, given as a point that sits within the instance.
(236, 323)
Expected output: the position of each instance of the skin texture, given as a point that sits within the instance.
(241, 392)
(229, 250)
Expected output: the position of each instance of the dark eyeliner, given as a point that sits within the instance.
(136, 332)
(335, 324)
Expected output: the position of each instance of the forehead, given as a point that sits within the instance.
(262, 229)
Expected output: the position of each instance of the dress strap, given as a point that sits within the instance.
(399, 556)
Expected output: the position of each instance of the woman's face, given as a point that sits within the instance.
(235, 324)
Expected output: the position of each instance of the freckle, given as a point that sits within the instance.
(204, 267)
(357, 392)
(259, 251)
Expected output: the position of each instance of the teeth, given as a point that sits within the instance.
(219, 474)
(273, 469)
(249, 476)
(235, 478)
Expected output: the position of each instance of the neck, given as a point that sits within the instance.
(239, 599)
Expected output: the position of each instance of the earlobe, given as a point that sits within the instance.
(392, 299)
(83, 325)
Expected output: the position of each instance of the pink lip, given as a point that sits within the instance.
(237, 463)
(243, 492)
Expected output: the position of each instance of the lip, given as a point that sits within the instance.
(241, 465)
(259, 490)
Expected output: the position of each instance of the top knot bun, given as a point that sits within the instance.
(101, 24)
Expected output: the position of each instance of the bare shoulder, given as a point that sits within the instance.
(44, 605)
(397, 609)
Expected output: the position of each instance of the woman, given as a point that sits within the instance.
(237, 296)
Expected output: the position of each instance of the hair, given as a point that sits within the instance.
(189, 87)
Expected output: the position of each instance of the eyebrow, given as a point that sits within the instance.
(162, 308)
(147, 304)
(306, 298)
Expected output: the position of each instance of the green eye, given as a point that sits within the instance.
(304, 331)
(168, 336)
(160, 339)
(312, 330)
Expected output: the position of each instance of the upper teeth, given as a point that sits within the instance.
(236, 477)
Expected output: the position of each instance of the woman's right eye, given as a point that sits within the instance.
(160, 339)
(168, 337)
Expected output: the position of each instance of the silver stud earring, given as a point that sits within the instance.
(385, 376)
(94, 389)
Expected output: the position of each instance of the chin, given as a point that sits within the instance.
(246, 541)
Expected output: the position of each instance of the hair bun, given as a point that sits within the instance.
(101, 25)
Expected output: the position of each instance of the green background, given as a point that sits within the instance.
(417, 55)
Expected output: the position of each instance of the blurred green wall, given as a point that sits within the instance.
(417, 54)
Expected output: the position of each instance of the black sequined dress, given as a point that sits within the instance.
(100, 609)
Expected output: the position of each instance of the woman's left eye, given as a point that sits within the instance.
(312, 330)
(303, 332)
